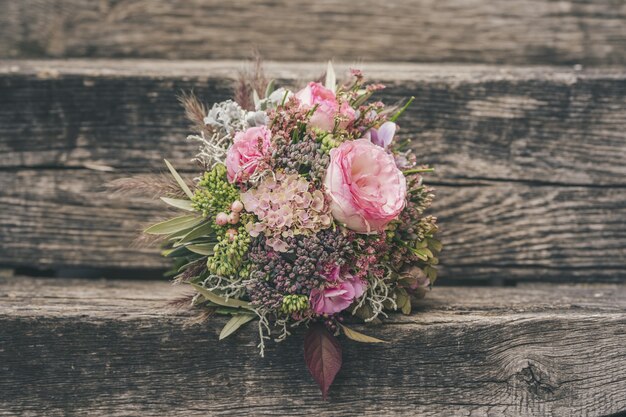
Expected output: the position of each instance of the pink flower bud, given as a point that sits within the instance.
(231, 233)
(237, 206)
(221, 219)
(233, 218)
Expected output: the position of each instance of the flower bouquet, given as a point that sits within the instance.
(309, 213)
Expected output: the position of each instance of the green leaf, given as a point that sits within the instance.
(235, 323)
(173, 225)
(181, 204)
(331, 78)
(179, 234)
(270, 88)
(434, 244)
(403, 301)
(173, 253)
(399, 113)
(359, 337)
(423, 253)
(200, 231)
(431, 273)
(406, 308)
(422, 244)
(179, 179)
(217, 299)
(365, 313)
(205, 249)
(227, 310)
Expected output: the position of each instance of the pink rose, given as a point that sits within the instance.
(249, 148)
(338, 294)
(327, 106)
(366, 187)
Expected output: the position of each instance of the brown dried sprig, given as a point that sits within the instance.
(195, 111)
(202, 316)
(146, 185)
(250, 79)
(182, 302)
(144, 240)
(190, 272)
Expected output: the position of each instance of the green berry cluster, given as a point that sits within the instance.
(214, 194)
(329, 142)
(294, 302)
(230, 251)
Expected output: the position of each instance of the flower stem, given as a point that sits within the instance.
(418, 171)
(399, 113)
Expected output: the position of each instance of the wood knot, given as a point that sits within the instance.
(538, 380)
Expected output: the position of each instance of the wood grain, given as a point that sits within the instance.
(588, 32)
(510, 231)
(534, 124)
(72, 347)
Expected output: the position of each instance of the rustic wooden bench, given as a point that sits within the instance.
(529, 315)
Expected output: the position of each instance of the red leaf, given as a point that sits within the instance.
(322, 353)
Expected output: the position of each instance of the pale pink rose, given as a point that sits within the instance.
(366, 187)
(327, 106)
(249, 148)
(338, 294)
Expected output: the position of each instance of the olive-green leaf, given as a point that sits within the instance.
(202, 248)
(403, 301)
(181, 204)
(235, 323)
(173, 225)
(179, 179)
(200, 231)
(366, 313)
(406, 308)
(434, 244)
(270, 88)
(175, 252)
(423, 253)
(359, 337)
(217, 299)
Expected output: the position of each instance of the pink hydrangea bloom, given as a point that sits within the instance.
(285, 206)
(366, 187)
(327, 107)
(248, 150)
(338, 294)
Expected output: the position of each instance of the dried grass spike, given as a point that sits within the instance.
(195, 111)
(146, 185)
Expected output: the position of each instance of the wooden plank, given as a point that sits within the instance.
(547, 125)
(71, 347)
(491, 31)
(513, 231)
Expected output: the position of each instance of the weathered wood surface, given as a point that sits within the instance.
(490, 31)
(548, 125)
(72, 347)
(511, 231)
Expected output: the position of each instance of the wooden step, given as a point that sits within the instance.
(111, 348)
(488, 31)
(530, 171)
(511, 231)
(537, 124)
